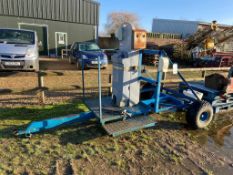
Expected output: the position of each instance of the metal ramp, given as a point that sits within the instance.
(129, 125)
(114, 122)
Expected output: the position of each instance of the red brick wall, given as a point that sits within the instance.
(163, 41)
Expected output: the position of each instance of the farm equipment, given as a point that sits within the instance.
(129, 106)
(207, 49)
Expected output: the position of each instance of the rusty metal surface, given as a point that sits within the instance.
(140, 39)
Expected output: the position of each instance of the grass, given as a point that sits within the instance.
(39, 154)
(85, 143)
(43, 148)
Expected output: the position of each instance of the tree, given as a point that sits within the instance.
(116, 19)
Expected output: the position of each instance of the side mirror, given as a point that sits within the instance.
(40, 44)
(175, 68)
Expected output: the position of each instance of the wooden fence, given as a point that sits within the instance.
(42, 88)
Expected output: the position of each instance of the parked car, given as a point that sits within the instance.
(88, 52)
(18, 50)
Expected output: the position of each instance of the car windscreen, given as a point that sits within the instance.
(16, 37)
(89, 47)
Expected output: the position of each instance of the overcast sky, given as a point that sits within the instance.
(201, 10)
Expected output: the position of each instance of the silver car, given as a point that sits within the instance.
(19, 50)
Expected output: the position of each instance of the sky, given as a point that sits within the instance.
(200, 10)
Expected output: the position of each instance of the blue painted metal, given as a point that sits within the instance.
(138, 110)
(83, 79)
(149, 80)
(39, 126)
(170, 100)
(158, 90)
(139, 64)
(179, 94)
(160, 102)
(214, 97)
(154, 52)
(204, 116)
(100, 91)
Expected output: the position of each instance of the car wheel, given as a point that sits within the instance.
(78, 65)
(70, 60)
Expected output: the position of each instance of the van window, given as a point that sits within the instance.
(10, 36)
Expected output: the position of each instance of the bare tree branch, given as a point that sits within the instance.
(116, 19)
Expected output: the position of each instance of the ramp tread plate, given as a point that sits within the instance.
(109, 112)
(132, 124)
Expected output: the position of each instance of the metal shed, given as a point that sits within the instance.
(180, 27)
(58, 23)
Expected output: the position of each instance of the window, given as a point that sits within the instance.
(10, 36)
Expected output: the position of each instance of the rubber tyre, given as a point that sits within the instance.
(199, 115)
(70, 60)
(78, 65)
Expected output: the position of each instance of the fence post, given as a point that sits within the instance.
(62, 54)
(41, 88)
(203, 74)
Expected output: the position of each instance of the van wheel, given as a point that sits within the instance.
(199, 115)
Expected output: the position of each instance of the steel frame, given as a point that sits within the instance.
(164, 99)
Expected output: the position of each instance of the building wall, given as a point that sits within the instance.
(78, 18)
(181, 27)
(75, 32)
(76, 11)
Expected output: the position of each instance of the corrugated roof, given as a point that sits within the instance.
(182, 27)
(74, 11)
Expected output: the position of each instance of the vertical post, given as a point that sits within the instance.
(158, 87)
(100, 89)
(140, 64)
(83, 80)
(110, 82)
(41, 87)
(203, 74)
(164, 78)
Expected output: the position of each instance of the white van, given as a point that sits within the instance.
(19, 50)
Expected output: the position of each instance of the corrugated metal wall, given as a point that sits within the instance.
(75, 11)
(181, 27)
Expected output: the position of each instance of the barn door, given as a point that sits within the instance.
(42, 34)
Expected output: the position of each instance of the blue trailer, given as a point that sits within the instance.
(126, 110)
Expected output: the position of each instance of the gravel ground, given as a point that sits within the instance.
(27, 82)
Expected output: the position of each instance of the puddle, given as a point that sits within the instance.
(219, 136)
(220, 132)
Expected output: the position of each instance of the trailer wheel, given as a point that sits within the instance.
(199, 115)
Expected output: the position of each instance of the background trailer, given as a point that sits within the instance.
(58, 23)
